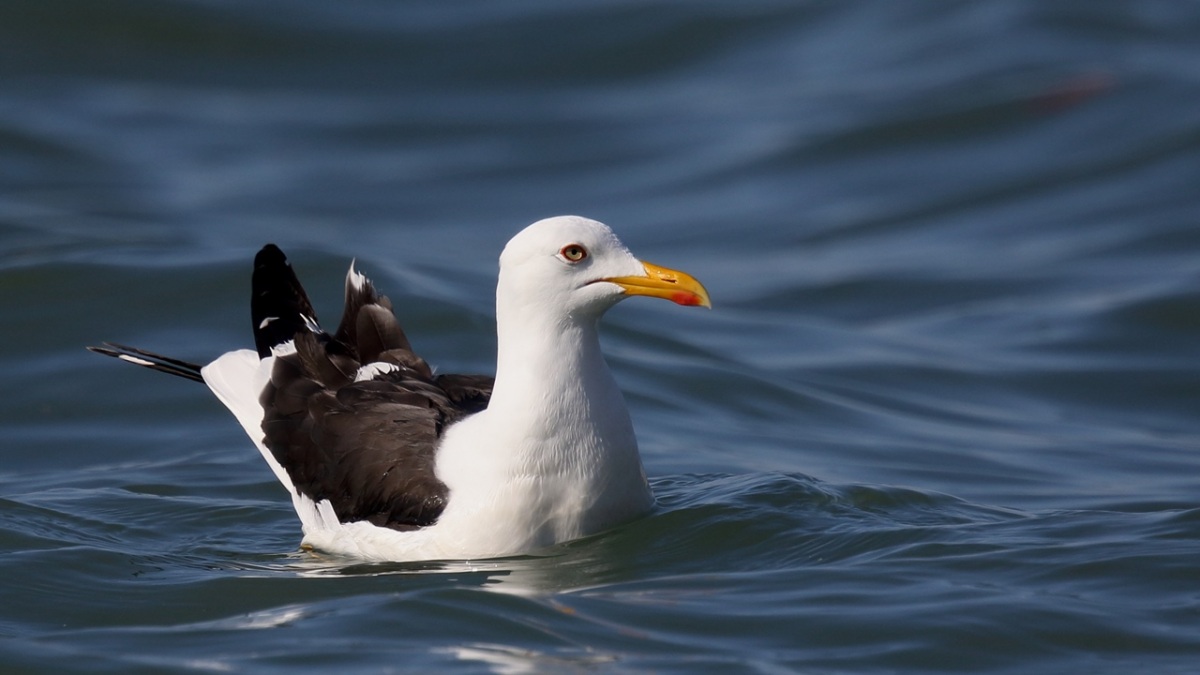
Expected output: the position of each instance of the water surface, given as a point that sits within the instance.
(943, 416)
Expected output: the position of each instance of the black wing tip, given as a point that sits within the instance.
(269, 254)
(279, 307)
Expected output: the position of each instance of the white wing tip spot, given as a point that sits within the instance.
(284, 348)
(356, 278)
(373, 370)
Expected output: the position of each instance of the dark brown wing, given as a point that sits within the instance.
(367, 446)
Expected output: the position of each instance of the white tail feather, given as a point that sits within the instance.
(237, 378)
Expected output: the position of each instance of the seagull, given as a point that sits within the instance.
(386, 460)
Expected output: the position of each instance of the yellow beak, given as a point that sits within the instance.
(668, 284)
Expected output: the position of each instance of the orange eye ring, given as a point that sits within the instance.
(573, 253)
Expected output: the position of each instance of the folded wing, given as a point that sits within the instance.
(356, 417)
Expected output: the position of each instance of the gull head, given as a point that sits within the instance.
(576, 268)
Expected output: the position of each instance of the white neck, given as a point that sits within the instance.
(554, 454)
(552, 383)
(536, 356)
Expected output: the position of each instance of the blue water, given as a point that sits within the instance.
(944, 416)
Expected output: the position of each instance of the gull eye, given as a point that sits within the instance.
(573, 253)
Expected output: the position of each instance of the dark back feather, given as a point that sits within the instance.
(367, 446)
